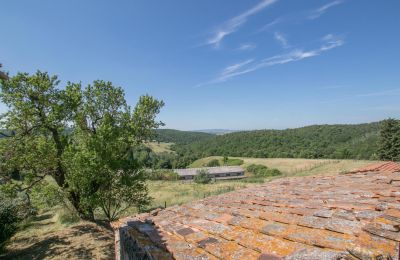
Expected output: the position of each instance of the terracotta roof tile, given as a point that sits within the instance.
(355, 215)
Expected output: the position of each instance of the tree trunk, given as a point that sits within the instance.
(60, 174)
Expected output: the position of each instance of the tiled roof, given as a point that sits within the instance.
(210, 170)
(381, 167)
(348, 216)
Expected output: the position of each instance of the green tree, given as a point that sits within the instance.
(389, 148)
(84, 139)
(202, 177)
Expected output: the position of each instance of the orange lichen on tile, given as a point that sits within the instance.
(354, 215)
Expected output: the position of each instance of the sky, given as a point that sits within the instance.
(254, 64)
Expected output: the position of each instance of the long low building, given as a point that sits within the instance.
(347, 216)
(224, 172)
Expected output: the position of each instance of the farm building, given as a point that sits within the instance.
(347, 216)
(224, 172)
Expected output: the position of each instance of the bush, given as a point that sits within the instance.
(213, 163)
(9, 219)
(46, 196)
(202, 177)
(262, 171)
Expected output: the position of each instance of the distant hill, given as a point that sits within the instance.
(180, 137)
(317, 141)
(216, 131)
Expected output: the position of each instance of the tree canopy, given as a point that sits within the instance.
(319, 141)
(84, 137)
(389, 145)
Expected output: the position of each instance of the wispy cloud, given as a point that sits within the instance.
(388, 92)
(321, 10)
(281, 38)
(250, 65)
(247, 46)
(300, 16)
(271, 24)
(234, 23)
(235, 67)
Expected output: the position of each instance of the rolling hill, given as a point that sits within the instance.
(317, 141)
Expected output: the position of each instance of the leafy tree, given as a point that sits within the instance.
(85, 140)
(389, 148)
(202, 177)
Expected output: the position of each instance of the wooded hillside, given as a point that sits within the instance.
(180, 137)
(317, 141)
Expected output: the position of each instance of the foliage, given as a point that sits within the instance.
(202, 177)
(45, 195)
(262, 171)
(389, 148)
(312, 142)
(12, 211)
(213, 163)
(164, 175)
(86, 139)
(180, 137)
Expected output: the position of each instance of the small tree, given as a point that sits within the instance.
(202, 177)
(84, 138)
(389, 148)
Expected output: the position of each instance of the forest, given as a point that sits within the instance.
(317, 141)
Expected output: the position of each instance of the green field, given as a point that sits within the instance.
(294, 166)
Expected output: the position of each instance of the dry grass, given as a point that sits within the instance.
(160, 147)
(178, 192)
(45, 237)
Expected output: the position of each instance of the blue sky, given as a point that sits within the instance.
(220, 64)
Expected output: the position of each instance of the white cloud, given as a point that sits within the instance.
(234, 23)
(247, 46)
(281, 38)
(321, 10)
(250, 65)
(235, 67)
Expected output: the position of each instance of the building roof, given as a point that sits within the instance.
(381, 167)
(318, 217)
(210, 170)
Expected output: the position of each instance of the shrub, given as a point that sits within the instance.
(46, 196)
(9, 219)
(213, 163)
(202, 177)
(262, 171)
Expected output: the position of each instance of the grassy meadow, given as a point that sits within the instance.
(160, 147)
(295, 166)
